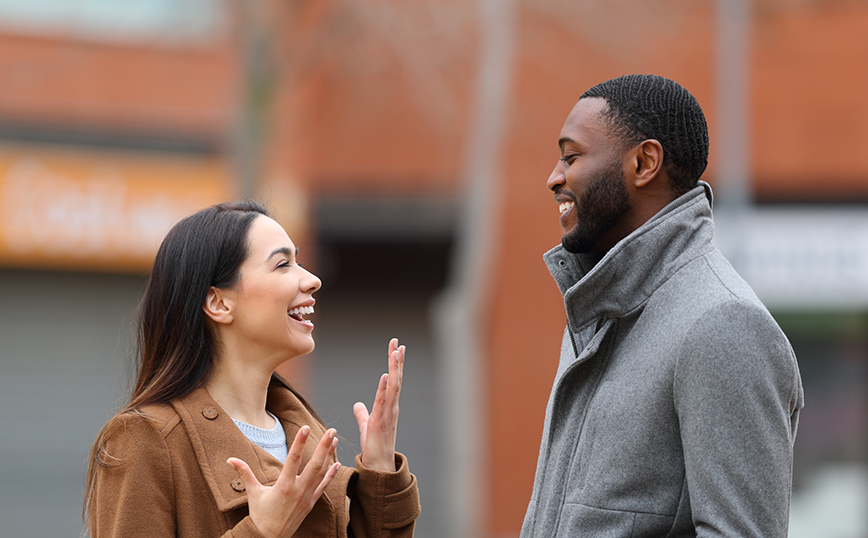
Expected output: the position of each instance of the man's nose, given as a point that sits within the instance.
(556, 179)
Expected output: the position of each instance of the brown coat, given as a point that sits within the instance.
(168, 476)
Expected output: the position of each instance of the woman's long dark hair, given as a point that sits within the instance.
(175, 346)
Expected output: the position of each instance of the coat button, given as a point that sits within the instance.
(237, 485)
(562, 263)
(210, 412)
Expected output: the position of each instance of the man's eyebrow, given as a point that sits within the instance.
(563, 140)
(286, 251)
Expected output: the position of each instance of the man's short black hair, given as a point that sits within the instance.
(643, 107)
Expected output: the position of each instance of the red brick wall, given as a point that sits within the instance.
(82, 85)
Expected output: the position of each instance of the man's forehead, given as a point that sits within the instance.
(586, 118)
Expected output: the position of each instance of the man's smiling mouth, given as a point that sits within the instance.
(563, 207)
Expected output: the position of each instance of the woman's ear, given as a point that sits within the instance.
(649, 162)
(218, 307)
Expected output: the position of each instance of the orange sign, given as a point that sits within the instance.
(63, 208)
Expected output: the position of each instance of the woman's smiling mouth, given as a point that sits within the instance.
(299, 312)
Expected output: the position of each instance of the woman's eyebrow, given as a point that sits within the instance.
(286, 251)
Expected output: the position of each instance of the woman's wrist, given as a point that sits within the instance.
(385, 464)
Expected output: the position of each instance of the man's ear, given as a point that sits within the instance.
(648, 160)
(218, 306)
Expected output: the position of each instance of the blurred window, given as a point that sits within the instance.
(830, 466)
(166, 22)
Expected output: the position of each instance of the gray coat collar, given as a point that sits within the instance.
(608, 286)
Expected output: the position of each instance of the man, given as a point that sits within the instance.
(677, 396)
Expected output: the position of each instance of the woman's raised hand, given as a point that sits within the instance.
(379, 429)
(278, 511)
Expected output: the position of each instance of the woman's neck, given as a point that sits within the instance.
(241, 390)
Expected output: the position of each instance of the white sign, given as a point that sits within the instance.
(800, 257)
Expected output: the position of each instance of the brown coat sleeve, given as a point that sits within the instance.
(384, 505)
(134, 495)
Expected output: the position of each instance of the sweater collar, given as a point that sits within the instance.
(610, 285)
(215, 438)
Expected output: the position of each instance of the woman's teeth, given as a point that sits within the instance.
(301, 311)
(563, 207)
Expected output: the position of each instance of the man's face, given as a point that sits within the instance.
(588, 181)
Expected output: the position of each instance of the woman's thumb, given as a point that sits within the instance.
(360, 411)
(244, 473)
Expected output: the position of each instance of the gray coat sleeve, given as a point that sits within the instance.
(737, 394)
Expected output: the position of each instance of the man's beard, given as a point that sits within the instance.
(602, 204)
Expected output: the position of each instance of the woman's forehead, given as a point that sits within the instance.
(266, 236)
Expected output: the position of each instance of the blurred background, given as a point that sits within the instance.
(405, 146)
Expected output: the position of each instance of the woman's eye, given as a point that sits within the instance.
(283, 264)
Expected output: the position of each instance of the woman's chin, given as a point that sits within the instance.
(301, 348)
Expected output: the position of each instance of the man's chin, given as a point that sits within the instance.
(578, 243)
(571, 244)
(568, 240)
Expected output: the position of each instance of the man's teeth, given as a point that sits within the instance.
(301, 311)
(565, 206)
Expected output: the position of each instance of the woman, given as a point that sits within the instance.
(201, 447)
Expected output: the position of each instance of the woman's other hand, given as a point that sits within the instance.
(279, 510)
(379, 429)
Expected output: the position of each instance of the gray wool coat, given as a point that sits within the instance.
(677, 396)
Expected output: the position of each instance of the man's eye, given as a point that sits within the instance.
(569, 158)
(283, 264)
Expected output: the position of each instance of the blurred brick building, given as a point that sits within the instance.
(405, 147)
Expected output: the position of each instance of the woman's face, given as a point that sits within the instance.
(273, 296)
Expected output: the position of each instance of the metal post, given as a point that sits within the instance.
(731, 138)
(458, 313)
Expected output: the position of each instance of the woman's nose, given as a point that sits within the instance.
(311, 282)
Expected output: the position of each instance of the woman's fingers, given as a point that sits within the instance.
(396, 375)
(293, 458)
(388, 399)
(280, 509)
(316, 468)
(385, 410)
(319, 471)
(396, 354)
(381, 398)
(389, 387)
(378, 430)
(326, 480)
